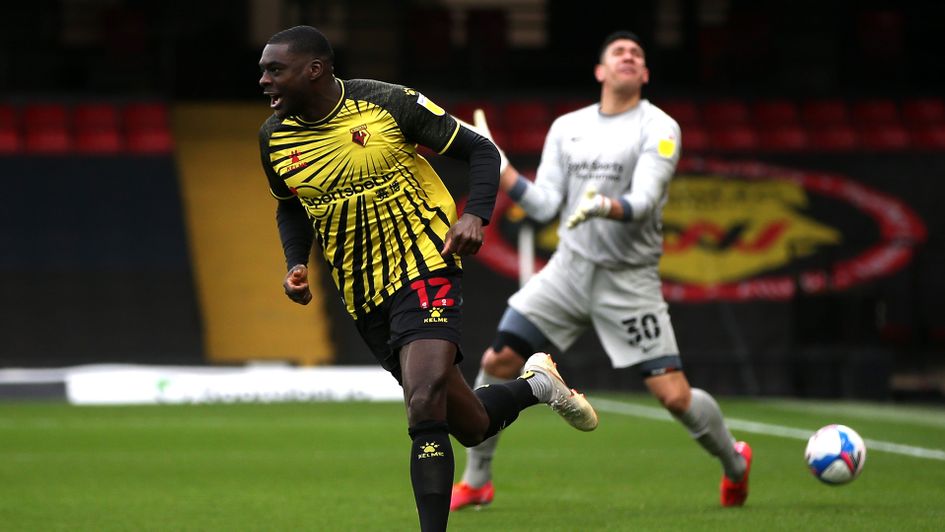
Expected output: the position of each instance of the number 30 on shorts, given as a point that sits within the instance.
(646, 326)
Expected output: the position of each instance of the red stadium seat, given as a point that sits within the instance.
(464, 111)
(885, 138)
(931, 137)
(825, 112)
(42, 115)
(527, 140)
(695, 139)
(875, 112)
(98, 141)
(95, 116)
(734, 138)
(775, 113)
(725, 113)
(9, 116)
(833, 138)
(149, 141)
(528, 113)
(683, 111)
(566, 106)
(49, 139)
(924, 111)
(145, 115)
(785, 138)
(10, 141)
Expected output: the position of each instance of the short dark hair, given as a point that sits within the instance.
(616, 36)
(305, 40)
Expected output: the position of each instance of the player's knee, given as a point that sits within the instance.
(505, 363)
(426, 402)
(676, 400)
(469, 439)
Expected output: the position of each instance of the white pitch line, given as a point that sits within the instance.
(616, 407)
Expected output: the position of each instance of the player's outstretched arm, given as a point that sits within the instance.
(508, 175)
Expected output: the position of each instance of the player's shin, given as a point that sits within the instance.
(705, 423)
(479, 458)
(431, 472)
(503, 402)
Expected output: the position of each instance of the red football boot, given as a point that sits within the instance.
(734, 493)
(465, 495)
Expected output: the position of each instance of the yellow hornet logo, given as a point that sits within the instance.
(718, 229)
(430, 450)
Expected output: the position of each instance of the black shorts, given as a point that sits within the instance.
(426, 308)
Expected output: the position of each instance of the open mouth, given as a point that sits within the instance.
(275, 101)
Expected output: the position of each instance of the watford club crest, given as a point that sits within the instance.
(360, 135)
(746, 230)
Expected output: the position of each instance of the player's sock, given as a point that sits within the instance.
(479, 458)
(541, 385)
(504, 401)
(705, 423)
(431, 472)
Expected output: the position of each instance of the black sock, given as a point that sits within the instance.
(504, 401)
(431, 472)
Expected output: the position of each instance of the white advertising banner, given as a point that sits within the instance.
(112, 385)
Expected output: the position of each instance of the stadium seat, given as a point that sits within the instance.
(527, 113)
(464, 111)
(722, 113)
(561, 107)
(923, 111)
(695, 139)
(930, 137)
(885, 138)
(875, 112)
(833, 138)
(774, 113)
(95, 116)
(734, 138)
(41, 115)
(525, 140)
(825, 112)
(49, 139)
(9, 117)
(145, 115)
(10, 141)
(149, 141)
(98, 141)
(683, 111)
(784, 138)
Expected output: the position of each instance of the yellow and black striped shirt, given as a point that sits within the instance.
(379, 210)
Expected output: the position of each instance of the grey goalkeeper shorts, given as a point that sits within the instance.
(625, 306)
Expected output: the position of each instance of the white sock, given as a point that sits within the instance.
(705, 424)
(479, 458)
(541, 386)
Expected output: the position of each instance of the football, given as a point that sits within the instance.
(835, 454)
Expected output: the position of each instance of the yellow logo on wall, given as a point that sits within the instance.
(719, 229)
(745, 230)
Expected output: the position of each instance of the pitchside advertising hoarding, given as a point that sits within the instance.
(749, 231)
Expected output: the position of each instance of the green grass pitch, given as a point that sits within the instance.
(344, 467)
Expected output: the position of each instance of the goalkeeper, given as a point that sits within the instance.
(606, 169)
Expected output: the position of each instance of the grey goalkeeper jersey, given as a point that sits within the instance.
(630, 157)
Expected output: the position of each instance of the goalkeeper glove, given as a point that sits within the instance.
(591, 204)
